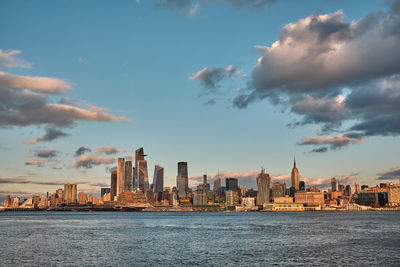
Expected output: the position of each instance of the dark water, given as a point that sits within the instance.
(233, 239)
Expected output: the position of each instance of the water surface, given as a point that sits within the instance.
(257, 239)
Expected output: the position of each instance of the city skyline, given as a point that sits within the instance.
(124, 77)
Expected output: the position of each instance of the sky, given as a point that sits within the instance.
(229, 86)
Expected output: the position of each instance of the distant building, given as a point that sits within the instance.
(120, 176)
(231, 184)
(174, 197)
(200, 198)
(309, 198)
(373, 199)
(278, 190)
(295, 177)
(70, 193)
(158, 182)
(394, 194)
(263, 186)
(128, 176)
(113, 189)
(248, 201)
(141, 176)
(217, 186)
(232, 198)
(333, 184)
(283, 200)
(302, 186)
(82, 198)
(104, 191)
(182, 182)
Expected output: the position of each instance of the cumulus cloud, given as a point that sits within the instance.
(333, 141)
(27, 101)
(38, 163)
(46, 153)
(190, 7)
(82, 150)
(209, 77)
(90, 160)
(28, 181)
(51, 133)
(8, 59)
(329, 71)
(391, 174)
(39, 84)
(108, 150)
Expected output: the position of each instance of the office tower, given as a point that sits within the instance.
(333, 184)
(204, 179)
(232, 198)
(82, 198)
(141, 177)
(357, 188)
(231, 184)
(104, 191)
(139, 155)
(302, 186)
(182, 179)
(158, 182)
(60, 194)
(128, 176)
(217, 186)
(70, 190)
(113, 190)
(120, 176)
(243, 191)
(278, 190)
(341, 188)
(347, 191)
(295, 177)
(263, 186)
(174, 197)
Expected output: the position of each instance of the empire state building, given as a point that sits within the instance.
(295, 177)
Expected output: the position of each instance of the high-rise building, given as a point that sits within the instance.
(70, 193)
(263, 186)
(231, 184)
(158, 182)
(278, 190)
(140, 176)
(104, 191)
(204, 179)
(295, 177)
(302, 186)
(82, 198)
(113, 189)
(120, 176)
(143, 176)
(128, 175)
(182, 182)
(333, 184)
(232, 198)
(217, 186)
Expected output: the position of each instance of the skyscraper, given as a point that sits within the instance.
(205, 179)
(113, 190)
(128, 176)
(158, 182)
(217, 186)
(70, 190)
(182, 179)
(141, 176)
(120, 176)
(295, 177)
(263, 186)
(231, 184)
(333, 184)
(302, 186)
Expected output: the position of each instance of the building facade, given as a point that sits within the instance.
(263, 187)
(113, 189)
(182, 182)
(295, 177)
(128, 176)
(70, 193)
(120, 176)
(158, 182)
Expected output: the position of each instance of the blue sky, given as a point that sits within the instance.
(135, 59)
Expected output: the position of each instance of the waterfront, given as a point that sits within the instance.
(123, 239)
